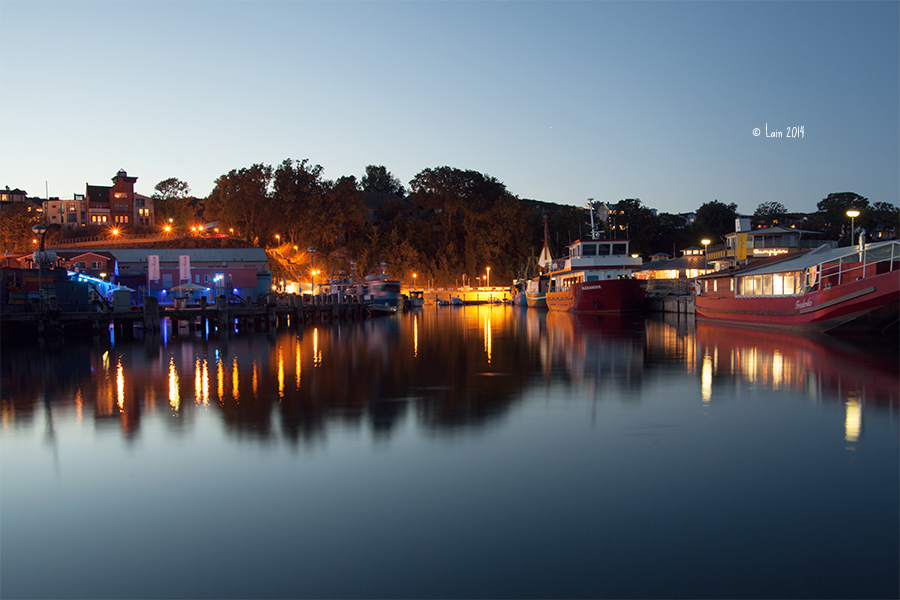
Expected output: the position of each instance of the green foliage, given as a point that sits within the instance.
(831, 218)
(769, 214)
(15, 228)
(172, 200)
(714, 220)
(379, 180)
(240, 201)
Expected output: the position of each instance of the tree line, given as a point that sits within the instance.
(447, 223)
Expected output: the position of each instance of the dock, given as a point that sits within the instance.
(224, 317)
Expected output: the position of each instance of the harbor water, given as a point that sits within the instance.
(477, 451)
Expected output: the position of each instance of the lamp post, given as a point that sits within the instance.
(488, 277)
(414, 280)
(705, 243)
(312, 261)
(40, 231)
(852, 213)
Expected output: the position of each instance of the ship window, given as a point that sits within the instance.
(620, 249)
(715, 285)
(731, 285)
(589, 249)
(603, 250)
(592, 278)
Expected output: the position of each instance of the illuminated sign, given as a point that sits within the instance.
(769, 251)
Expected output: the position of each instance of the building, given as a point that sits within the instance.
(240, 272)
(744, 243)
(113, 205)
(71, 214)
(15, 195)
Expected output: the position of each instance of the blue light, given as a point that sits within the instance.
(162, 293)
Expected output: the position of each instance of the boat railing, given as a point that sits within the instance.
(857, 264)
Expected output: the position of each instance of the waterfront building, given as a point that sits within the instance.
(744, 244)
(118, 205)
(240, 272)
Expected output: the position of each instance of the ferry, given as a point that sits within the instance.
(596, 277)
(852, 288)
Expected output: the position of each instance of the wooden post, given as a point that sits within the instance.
(151, 314)
(222, 309)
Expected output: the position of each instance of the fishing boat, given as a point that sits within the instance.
(416, 298)
(384, 291)
(536, 287)
(856, 287)
(596, 277)
(536, 291)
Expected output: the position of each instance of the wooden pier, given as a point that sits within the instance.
(224, 317)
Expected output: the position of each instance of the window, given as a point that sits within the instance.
(619, 249)
(80, 265)
(206, 279)
(71, 218)
(589, 249)
(603, 250)
(97, 264)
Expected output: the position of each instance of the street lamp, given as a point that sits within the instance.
(852, 213)
(705, 243)
(40, 231)
(414, 280)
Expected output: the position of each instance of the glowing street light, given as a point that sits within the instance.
(852, 213)
(705, 243)
(414, 280)
(489, 277)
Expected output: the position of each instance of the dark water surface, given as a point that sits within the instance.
(476, 452)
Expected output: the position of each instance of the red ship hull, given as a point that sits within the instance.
(865, 304)
(605, 296)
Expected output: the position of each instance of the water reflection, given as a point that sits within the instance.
(446, 368)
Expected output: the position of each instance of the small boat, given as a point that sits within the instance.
(856, 287)
(596, 277)
(442, 302)
(416, 299)
(456, 301)
(381, 290)
(536, 291)
(537, 286)
(379, 310)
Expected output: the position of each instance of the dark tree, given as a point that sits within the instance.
(714, 220)
(172, 203)
(379, 180)
(16, 222)
(769, 214)
(241, 201)
(831, 218)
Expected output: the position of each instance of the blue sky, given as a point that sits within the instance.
(561, 101)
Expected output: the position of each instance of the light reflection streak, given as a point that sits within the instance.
(706, 378)
(280, 371)
(174, 393)
(297, 358)
(415, 336)
(853, 420)
(317, 354)
(487, 338)
(235, 380)
(120, 383)
(79, 406)
(777, 370)
(255, 380)
(220, 379)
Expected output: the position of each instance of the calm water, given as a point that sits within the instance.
(476, 452)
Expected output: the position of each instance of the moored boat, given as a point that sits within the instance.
(596, 277)
(536, 291)
(856, 287)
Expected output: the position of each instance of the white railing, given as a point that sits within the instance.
(857, 264)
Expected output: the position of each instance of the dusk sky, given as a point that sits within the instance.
(561, 101)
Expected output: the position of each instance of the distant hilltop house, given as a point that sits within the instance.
(15, 195)
(744, 243)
